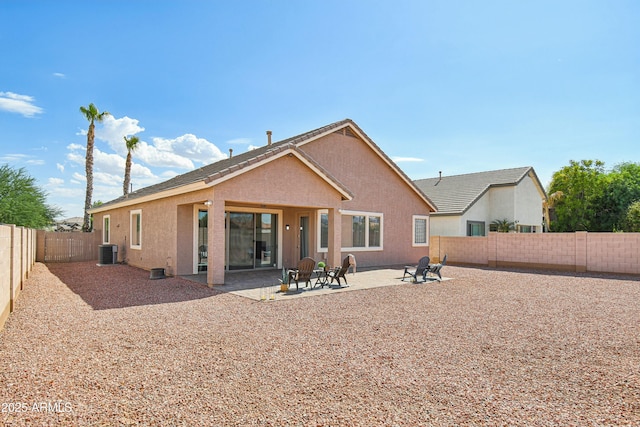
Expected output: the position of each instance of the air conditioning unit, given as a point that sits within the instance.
(107, 254)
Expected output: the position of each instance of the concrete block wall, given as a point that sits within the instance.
(578, 252)
(464, 250)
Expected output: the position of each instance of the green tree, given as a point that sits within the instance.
(582, 185)
(132, 144)
(621, 190)
(632, 218)
(92, 114)
(23, 203)
(548, 205)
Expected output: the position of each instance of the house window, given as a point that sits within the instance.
(420, 230)
(475, 228)
(136, 229)
(526, 229)
(374, 231)
(106, 231)
(354, 226)
(360, 230)
(324, 230)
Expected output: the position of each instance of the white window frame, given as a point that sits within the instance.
(132, 226)
(413, 230)
(365, 248)
(106, 229)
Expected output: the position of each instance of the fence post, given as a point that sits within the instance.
(581, 251)
(492, 249)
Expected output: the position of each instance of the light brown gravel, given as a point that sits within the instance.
(108, 346)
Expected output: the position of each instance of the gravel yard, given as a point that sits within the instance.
(91, 345)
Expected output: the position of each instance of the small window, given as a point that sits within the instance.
(420, 230)
(136, 229)
(475, 228)
(374, 231)
(106, 230)
(324, 230)
(526, 229)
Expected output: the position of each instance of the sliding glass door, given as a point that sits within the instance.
(251, 240)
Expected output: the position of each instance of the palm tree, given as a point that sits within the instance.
(549, 204)
(132, 144)
(504, 225)
(92, 114)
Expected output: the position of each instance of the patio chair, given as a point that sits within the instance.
(435, 268)
(339, 272)
(419, 270)
(303, 272)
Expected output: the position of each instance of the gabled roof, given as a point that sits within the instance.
(221, 170)
(455, 194)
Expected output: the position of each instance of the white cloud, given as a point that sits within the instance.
(108, 168)
(78, 177)
(60, 167)
(190, 147)
(21, 104)
(114, 130)
(13, 158)
(181, 153)
(55, 182)
(407, 159)
(73, 147)
(59, 75)
(75, 157)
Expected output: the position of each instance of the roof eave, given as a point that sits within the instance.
(176, 191)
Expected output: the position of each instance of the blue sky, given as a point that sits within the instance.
(451, 86)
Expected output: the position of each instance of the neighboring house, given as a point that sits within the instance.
(324, 194)
(69, 224)
(468, 204)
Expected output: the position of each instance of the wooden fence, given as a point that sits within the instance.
(17, 256)
(67, 247)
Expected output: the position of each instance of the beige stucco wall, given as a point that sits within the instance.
(161, 220)
(287, 185)
(376, 188)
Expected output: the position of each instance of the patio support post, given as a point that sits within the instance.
(334, 252)
(216, 240)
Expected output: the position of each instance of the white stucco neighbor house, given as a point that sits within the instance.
(468, 204)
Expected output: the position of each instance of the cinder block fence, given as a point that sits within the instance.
(577, 252)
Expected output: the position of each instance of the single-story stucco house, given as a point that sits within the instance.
(323, 194)
(468, 204)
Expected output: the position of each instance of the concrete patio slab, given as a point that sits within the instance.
(263, 285)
